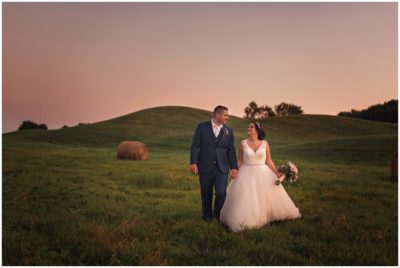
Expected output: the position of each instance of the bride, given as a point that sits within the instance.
(253, 199)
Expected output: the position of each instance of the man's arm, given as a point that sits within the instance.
(195, 147)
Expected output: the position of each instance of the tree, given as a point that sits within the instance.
(386, 112)
(28, 124)
(284, 109)
(253, 111)
(266, 111)
(42, 126)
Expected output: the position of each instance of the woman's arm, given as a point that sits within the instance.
(240, 156)
(269, 161)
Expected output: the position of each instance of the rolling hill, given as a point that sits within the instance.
(67, 199)
(162, 127)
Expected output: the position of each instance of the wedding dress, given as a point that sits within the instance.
(252, 198)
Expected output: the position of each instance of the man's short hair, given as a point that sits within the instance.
(219, 109)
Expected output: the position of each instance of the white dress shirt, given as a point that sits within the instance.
(216, 128)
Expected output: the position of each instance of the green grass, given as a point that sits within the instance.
(67, 200)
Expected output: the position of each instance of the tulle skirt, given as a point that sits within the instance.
(253, 199)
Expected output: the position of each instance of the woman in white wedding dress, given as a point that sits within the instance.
(253, 199)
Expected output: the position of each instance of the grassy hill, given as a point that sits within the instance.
(162, 126)
(67, 200)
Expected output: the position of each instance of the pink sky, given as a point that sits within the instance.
(65, 63)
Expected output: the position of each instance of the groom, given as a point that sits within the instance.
(212, 156)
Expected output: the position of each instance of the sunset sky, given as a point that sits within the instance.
(65, 63)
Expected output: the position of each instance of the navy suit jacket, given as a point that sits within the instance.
(206, 148)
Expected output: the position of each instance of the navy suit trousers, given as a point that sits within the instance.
(207, 182)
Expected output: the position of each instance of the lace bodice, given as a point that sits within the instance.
(251, 157)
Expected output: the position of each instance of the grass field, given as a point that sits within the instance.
(67, 200)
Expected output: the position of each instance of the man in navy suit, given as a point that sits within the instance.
(213, 156)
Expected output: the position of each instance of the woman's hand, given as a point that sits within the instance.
(234, 173)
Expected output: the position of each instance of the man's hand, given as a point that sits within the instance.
(194, 169)
(234, 173)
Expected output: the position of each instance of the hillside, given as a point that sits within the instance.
(67, 199)
(162, 126)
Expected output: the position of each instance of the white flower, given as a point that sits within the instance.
(226, 131)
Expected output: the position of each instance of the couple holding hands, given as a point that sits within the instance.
(252, 199)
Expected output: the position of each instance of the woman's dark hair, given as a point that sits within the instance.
(260, 131)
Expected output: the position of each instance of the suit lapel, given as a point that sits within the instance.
(211, 131)
(221, 133)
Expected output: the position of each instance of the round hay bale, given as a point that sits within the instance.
(132, 150)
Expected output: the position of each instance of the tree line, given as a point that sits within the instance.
(253, 111)
(386, 112)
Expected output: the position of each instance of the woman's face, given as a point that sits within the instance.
(251, 129)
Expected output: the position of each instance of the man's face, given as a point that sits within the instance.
(222, 117)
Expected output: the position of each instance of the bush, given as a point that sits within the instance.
(31, 125)
(82, 124)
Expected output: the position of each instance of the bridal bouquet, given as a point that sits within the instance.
(289, 171)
